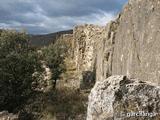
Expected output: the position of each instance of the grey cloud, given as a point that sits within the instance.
(43, 16)
(79, 7)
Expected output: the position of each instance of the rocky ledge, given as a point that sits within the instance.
(121, 98)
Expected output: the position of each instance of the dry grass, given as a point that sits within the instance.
(59, 104)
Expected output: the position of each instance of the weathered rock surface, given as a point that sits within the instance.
(137, 45)
(104, 51)
(85, 39)
(130, 45)
(4, 115)
(120, 98)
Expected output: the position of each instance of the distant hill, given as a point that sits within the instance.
(44, 40)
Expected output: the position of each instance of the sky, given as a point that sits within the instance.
(48, 16)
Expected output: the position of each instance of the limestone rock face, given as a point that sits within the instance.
(120, 98)
(85, 39)
(104, 51)
(137, 41)
(129, 45)
(4, 115)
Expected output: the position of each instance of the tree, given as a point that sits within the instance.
(54, 56)
(18, 63)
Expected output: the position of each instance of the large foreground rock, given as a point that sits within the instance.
(120, 98)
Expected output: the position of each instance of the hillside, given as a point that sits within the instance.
(46, 39)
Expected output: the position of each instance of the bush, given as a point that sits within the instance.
(18, 63)
(54, 56)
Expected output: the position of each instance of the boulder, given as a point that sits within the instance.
(121, 98)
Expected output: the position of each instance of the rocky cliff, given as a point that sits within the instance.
(129, 45)
(86, 38)
(104, 52)
(137, 45)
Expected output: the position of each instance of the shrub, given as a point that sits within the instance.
(54, 56)
(18, 63)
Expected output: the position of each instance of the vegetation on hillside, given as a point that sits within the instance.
(21, 72)
(54, 56)
(18, 63)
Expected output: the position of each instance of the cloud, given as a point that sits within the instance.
(39, 16)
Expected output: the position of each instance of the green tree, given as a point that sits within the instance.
(54, 56)
(18, 63)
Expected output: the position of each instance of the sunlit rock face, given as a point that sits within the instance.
(137, 41)
(86, 38)
(129, 45)
(121, 98)
(104, 51)
(93, 51)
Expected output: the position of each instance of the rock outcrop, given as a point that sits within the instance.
(128, 46)
(104, 51)
(4, 115)
(137, 45)
(85, 39)
(93, 51)
(120, 98)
